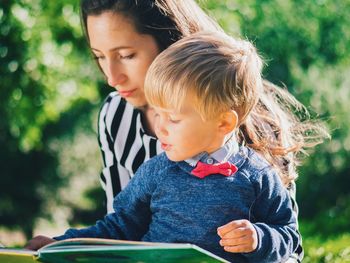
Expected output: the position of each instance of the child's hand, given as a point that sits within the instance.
(38, 242)
(238, 236)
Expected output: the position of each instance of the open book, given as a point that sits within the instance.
(107, 250)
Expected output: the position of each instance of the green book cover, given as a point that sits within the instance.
(105, 250)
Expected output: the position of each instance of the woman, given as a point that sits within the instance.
(125, 36)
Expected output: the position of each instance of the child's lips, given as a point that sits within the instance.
(165, 146)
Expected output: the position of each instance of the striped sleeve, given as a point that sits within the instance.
(123, 143)
(110, 175)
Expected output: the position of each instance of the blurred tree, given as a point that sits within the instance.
(44, 75)
(51, 90)
(21, 171)
(324, 180)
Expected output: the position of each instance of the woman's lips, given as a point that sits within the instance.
(126, 93)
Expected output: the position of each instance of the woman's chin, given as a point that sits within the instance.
(137, 103)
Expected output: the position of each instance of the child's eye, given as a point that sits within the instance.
(172, 120)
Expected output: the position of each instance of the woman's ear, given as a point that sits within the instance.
(228, 122)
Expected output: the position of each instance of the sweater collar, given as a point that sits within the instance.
(223, 154)
(231, 152)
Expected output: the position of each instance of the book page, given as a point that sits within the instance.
(17, 255)
(98, 242)
(105, 250)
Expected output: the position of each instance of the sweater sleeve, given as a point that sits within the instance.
(132, 214)
(298, 254)
(274, 220)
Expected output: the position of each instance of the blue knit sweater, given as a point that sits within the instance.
(165, 203)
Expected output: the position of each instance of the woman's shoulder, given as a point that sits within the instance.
(112, 99)
(114, 108)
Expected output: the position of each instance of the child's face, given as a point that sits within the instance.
(185, 134)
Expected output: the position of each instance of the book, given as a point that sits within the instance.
(106, 250)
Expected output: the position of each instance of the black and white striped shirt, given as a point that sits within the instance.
(124, 144)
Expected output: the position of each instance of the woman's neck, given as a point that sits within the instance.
(147, 118)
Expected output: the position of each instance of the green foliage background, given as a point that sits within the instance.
(50, 93)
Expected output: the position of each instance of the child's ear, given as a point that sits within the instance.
(228, 122)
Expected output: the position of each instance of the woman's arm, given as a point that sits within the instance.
(114, 177)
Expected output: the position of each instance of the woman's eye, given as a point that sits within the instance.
(98, 57)
(127, 56)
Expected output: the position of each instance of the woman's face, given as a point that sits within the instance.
(123, 54)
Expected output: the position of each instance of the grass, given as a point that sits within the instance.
(332, 250)
(323, 243)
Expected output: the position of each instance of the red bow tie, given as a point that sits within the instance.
(202, 169)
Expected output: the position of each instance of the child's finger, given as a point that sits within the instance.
(233, 241)
(223, 230)
(246, 248)
(235, 233)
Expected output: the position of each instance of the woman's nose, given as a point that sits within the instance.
(114, 81)
(115, 75)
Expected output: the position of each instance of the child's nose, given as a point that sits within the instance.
(161, 128)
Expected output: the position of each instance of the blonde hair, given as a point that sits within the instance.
(221, 73)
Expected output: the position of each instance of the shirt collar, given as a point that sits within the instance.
(223, 154)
